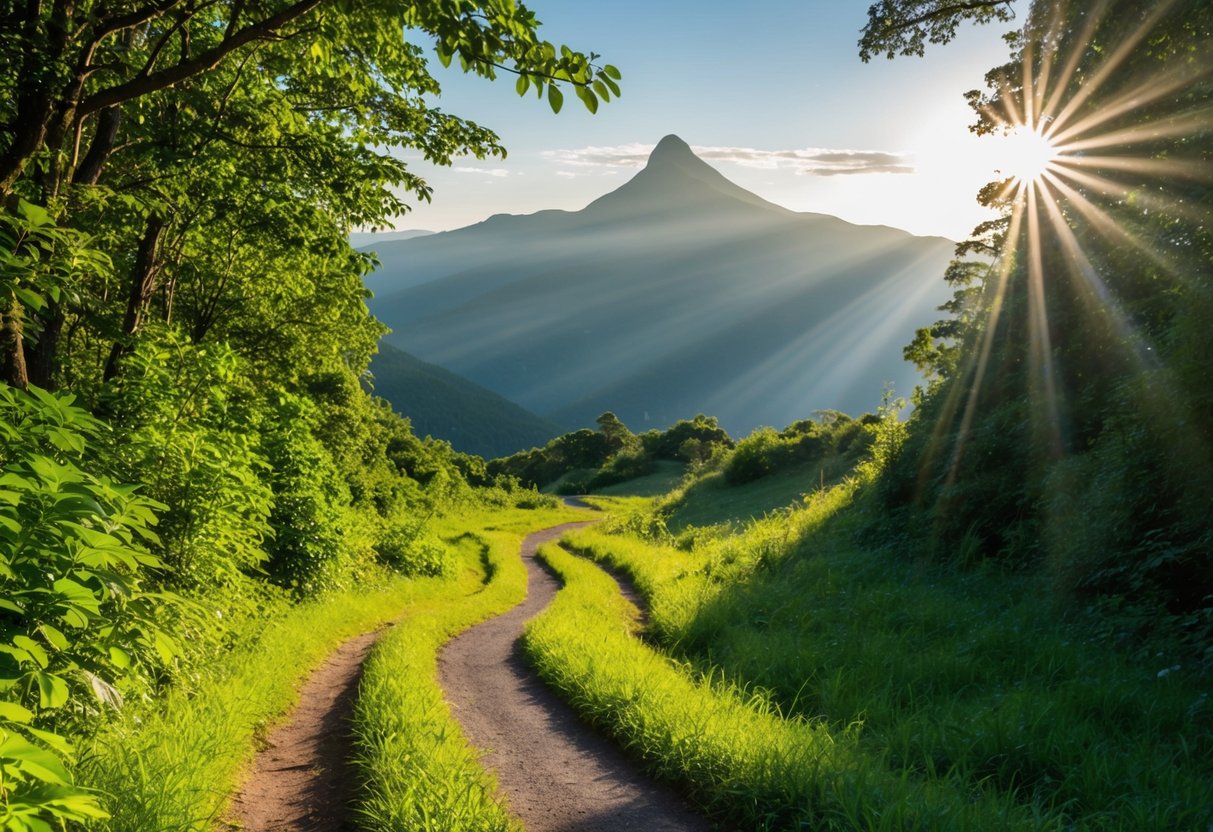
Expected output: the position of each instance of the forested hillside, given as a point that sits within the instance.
(186, 443)
(440, 404)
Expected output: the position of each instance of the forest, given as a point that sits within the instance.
(992, 610)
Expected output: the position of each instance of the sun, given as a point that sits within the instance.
(1026, 155)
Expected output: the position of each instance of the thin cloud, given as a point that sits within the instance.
(814, 161)
(500, 173)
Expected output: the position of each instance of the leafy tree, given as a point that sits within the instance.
(905, 27)
(1069, 420)
(331, 86)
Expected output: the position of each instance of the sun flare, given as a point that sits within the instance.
(1027, 155)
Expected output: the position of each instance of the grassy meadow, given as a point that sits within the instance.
(797, 674)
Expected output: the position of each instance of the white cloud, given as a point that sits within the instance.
(499, 173)
(812, 161)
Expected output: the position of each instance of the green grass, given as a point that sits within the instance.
(174, 763)
(418, 770)
(727, 745)
(711, 499)
(666, 476)
(969, 677)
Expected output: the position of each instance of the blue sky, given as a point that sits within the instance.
(758, 87)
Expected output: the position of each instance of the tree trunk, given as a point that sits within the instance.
(41, 361)
(89, 170)
(14, 345)
(142, 286)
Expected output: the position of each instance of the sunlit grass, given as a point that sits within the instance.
(967, 680)
(729, 745)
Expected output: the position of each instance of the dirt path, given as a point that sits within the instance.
(303, 781)
(558, 775)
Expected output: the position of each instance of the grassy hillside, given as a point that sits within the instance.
(443, 405)
(878, 691)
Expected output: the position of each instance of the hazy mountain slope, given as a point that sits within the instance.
(373, 239)
(441, 404)
(677, 293)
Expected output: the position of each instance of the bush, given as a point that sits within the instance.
(756, 456)
(411, 551)
(76, 626)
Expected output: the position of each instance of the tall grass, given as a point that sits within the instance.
(970, 676)
(728, 745)
(171, 765)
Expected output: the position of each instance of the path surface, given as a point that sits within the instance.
(303, 780)
(557, 775)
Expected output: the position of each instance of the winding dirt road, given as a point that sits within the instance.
(557, 775)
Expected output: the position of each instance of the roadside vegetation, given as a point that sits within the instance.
(948, 699)
(417, 770)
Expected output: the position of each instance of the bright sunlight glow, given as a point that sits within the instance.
(1026, 155)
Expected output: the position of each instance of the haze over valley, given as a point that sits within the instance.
(678, 293)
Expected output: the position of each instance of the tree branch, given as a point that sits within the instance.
(944, 11)
(183, 70)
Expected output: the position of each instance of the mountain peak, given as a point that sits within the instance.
(670, 149)
(676, 181)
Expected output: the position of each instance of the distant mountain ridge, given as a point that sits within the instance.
(443, 405)
(677, 293)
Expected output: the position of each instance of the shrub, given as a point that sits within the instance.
(76, 626)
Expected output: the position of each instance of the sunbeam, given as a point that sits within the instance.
(1096, 145)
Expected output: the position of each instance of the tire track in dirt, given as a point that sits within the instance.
(556, 773)
(303, 781)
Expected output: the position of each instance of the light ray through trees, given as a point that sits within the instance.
(1093, 151)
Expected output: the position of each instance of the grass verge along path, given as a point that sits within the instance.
(554, 771)
(738, 756)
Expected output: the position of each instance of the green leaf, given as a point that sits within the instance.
(588, 99)
(31, 299)
(53, 637)
(612, 72)
(33, 648)
(36, 214)
(35, 761)
(54, 741)
(555, 98)
(120, 658)
(522, 84)
(52, 690)
(15, 713)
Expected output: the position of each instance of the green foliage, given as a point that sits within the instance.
(411, 552)
(904, 27)
(186, 414)
(76, 624)
(765, 451)
(306, 546)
